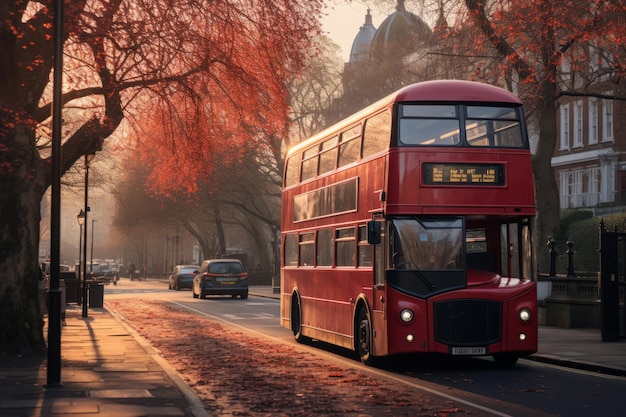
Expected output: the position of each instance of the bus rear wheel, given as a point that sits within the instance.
(364, 337)
(296, 320)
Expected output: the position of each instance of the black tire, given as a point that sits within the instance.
(296, 321)
(176, 287)
(244, 296)
(505, 359)
(363, 337)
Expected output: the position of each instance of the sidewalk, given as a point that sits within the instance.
(109, 370)
(106, 370)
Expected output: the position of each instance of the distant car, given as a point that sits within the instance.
(96, 273)
(113, 271)
(182, 276)
(221, 277)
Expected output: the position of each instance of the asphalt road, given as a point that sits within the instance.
(528, 389)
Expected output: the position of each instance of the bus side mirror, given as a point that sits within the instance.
(373, 232)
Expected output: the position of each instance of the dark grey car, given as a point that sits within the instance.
(221, 277)
(182, 276)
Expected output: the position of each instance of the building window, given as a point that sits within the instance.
(607, 119)
(593, 121)
(578, 124)
(564, 127)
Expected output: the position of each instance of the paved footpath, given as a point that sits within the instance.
(107, 369)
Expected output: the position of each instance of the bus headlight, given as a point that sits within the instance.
(525, 315)
(406, 315)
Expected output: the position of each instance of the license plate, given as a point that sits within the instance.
(469, 350)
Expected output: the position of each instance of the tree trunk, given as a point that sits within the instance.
(221, 237)
(21, 324)
(547, 194)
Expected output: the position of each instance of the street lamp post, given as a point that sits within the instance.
(81, 222)
(88, 158)
(91, 256)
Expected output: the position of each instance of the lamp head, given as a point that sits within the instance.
(81, 217)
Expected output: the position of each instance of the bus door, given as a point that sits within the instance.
(378, 302)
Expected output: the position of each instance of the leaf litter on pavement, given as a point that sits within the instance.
(235, 374)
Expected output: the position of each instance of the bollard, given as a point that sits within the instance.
(551, 243)
(570, 259)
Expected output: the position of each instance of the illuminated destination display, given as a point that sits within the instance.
(464, 174)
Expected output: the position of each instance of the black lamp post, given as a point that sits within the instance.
(81, 222)
(93, 227)
(53, 375)
(88, 158)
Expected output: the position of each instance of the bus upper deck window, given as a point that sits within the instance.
(429, 125)
(292, 171)
(493, 126)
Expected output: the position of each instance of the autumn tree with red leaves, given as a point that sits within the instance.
(121, 57)
(543, 50)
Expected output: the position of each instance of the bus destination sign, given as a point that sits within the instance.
(463, 174)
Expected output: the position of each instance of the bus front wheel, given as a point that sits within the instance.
(364, 337)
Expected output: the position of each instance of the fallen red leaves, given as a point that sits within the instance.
(239, 376)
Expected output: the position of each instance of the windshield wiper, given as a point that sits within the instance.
(418, 273)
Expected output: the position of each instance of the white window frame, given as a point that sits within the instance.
(607, 120)
(578, 124)
(593, 121)
(564, 143)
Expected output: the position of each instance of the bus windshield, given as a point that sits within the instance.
(428, 244)
(440, 125)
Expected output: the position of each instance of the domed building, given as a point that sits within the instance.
(401, 34)
(362, 44)
(385, 59)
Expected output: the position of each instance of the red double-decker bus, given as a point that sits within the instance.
(407, 227)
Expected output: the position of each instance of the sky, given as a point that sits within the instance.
(343, 21)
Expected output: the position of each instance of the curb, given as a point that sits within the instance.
(194, 404)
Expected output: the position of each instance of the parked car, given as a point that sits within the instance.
(221, 277)
(182, 276)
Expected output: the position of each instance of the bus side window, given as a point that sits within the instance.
(291, 250)
(328, 155)
(307, 249)
(292, 172)
(346, 247)
(377, 133)
(325, 247)
(309, 164)
(350, 145)
(364, 248)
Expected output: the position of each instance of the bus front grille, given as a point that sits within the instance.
(468, 322)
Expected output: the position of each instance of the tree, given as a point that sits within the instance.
(538, 48)
(120, 55)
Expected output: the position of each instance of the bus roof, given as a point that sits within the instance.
(428, 91)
